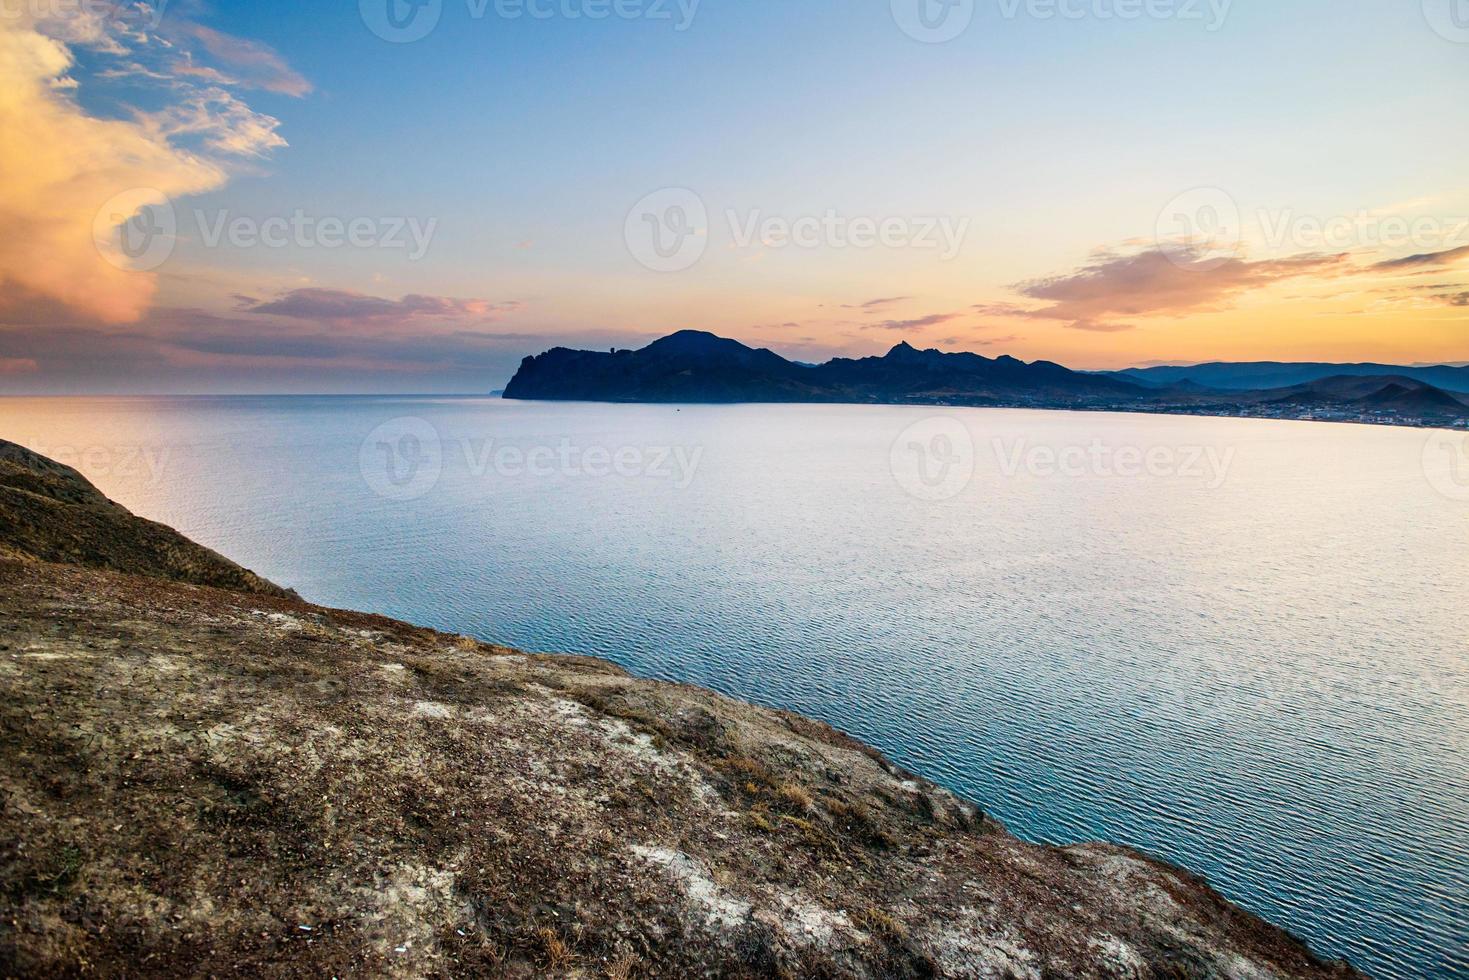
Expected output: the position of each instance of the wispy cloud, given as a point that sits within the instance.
(18, 365)
(173, 347)
(254, 65)
(345, 305)
(933, 319)
(1426, 260)
(1000, 309)
(1102, 296)
(872, 305)
(958, 341)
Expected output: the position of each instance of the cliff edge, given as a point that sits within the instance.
(205, 775)
(50, 512)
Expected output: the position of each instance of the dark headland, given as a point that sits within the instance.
(205, 775)
(693, 366)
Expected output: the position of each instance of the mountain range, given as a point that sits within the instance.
(694, 366)
(1277, 374)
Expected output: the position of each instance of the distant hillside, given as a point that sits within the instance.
(1391, 393)
(1272, 374)
(695, 366)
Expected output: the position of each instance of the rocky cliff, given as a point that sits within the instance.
(695, 366)
(205, 775)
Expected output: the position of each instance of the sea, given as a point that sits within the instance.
(1241, 645)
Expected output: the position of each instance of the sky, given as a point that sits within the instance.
(412, 195)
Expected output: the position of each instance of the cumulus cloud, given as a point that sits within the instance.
(61, 166)
(345, 305)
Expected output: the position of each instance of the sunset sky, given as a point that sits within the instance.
(357, 208)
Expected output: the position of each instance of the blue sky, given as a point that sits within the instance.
(1056, 141)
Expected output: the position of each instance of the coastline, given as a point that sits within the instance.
(242, 777)
(1103, 409)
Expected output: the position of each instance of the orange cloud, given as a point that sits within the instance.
(1160, 283)
(60, 167)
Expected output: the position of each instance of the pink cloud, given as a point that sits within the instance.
(346, 305)
(933, 319)
(18, 365)
(256, 65)
(1161, 283)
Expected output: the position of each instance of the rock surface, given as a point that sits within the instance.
(231, 781)
(49, 511)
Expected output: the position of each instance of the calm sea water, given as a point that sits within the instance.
(1238, 644)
